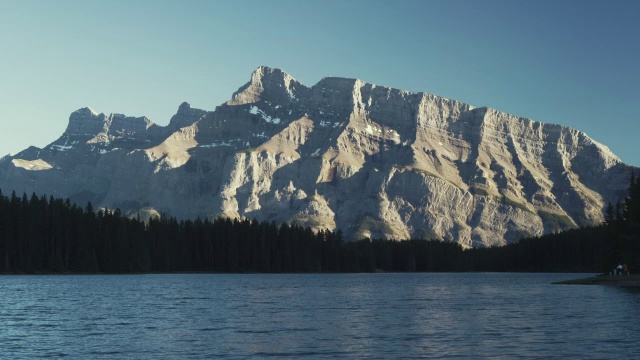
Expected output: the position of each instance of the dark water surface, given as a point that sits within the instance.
(316, 316)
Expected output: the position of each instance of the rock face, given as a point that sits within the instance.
(370, 160)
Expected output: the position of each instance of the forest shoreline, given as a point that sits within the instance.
(378, 271)
(609, 280)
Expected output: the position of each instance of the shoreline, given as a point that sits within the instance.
(608, 280)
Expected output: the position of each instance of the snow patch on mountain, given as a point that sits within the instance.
(255, 111)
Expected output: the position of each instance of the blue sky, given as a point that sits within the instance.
(574, 63)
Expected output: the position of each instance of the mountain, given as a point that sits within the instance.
(370, 160)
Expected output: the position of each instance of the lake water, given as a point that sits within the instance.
(316, 316)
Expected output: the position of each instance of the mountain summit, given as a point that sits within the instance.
(370, 160)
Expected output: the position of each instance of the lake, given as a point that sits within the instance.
(425, 315)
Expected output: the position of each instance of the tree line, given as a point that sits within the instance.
(52, 235)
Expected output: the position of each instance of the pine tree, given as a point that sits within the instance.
(610, 216)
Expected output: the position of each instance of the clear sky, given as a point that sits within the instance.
(574, 63)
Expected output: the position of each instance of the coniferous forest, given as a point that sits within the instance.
(50, 235)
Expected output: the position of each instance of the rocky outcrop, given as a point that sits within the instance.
(370, 160)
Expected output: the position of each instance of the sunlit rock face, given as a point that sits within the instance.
(370, 160)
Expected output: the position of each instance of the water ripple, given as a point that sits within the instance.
(195, 316)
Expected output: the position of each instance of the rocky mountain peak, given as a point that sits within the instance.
(268, 84)
(86, 121)
(85, 111)
(184, 108)
(185, 116)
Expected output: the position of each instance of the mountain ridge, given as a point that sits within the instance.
(343, 153)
